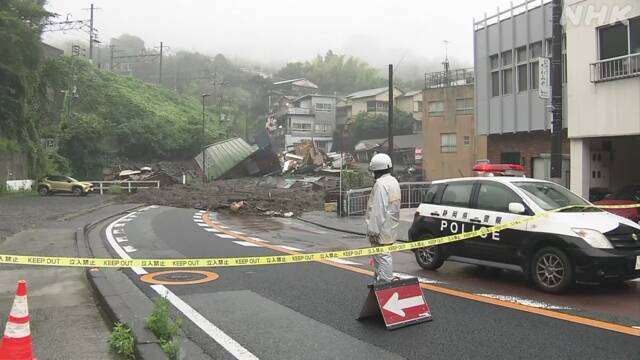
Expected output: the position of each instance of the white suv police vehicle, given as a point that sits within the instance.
(579, 244)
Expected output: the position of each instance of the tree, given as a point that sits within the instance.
(334, 73)
(376, 126)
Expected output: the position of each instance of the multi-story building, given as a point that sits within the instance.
(507, 50)
(411, 102)
(451, 147)
(604, 101)
(370, 101)
(308, 117)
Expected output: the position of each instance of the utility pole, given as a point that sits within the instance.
(91, 34)
(556, 91)
(204, 145)
(390, 108)
(160, 75)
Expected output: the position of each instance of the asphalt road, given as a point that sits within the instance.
(308, 311)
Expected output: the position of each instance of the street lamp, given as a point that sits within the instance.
(204, 145)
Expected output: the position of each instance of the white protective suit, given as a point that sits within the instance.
(383, 220)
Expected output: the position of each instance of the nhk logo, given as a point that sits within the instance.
(455, 228)
(593, 15)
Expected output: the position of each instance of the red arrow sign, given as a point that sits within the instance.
(402, 303)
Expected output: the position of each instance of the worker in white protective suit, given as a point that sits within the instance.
(383, 215)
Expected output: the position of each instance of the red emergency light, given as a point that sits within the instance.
(499, 169)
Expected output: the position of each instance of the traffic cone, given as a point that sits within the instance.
(16, 342)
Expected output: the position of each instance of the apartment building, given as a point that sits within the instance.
(603, 50)
(508, 47)
(451, 147)
(308, 117)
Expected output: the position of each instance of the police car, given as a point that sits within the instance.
(578, 244)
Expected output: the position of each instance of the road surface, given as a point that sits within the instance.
(308, 310)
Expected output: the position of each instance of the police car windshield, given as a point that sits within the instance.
(550, 196)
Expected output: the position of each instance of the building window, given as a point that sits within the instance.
(467, 141)
(535, 51)
(417, 106)
(507, 72)
(417, 126)
(495, 83)
(448, 143)
(436, 108)
(323, 107)
(323, 128)
(535, 67)
(377, 106)
(521, 73)
(298, 126)
(494, 61)
(548, 48)
(510, 157)
(464, 105)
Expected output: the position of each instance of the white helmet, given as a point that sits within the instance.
(380, 162)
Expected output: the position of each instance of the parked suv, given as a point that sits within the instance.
(578, 244)
(58, 183)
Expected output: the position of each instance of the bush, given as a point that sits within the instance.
(163, 328)
(356, 179)
(115, 189)
(122, 341)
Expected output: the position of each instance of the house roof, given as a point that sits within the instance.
(412, 93)
(313, 95)
(225, 155)
(399, 142)
(367, 93)
(302, 82)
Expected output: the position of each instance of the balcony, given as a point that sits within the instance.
(616, 68)
(298, 111)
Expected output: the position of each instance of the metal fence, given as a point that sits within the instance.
(129, 186)
(616, 68)
(412, 194)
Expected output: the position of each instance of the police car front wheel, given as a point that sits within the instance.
(429, 258)
(551, 270)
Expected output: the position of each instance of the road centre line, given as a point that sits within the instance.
(219, 336)
(469, 296)
(246, 243)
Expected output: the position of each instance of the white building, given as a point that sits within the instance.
(603, 51)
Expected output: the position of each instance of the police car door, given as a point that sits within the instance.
(491, 207)
(451, 213)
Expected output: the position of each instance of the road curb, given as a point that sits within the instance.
(147, 346)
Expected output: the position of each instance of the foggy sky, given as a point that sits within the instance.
(277, 31)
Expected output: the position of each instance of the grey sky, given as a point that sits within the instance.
(277, 31)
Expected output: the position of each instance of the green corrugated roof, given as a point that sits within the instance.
(224, 155)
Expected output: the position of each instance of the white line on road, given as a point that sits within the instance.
(345, 262)
(121, 239)
(225, 236)
(527, 302)
(211, 230)
(289, 248)
(199, 221)
(246, 243)
(219, 336)
(201, 224)
(129, 248)
(237, 232)
(257, 239)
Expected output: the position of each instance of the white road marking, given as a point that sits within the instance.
(211, 230)
(201, 224)
(527, 302)
(219, 336)
(118, 225)
(226, 236)
(345, 262)
(129, 248)
(421, 279)
(121, 239)
(199, 221)
(237, 232)
(289, 248)
(257, 239)
(246, 243)
(118, 232)
(223, 227)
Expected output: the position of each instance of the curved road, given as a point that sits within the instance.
(308, 311)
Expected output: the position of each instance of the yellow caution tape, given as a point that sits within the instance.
(275, 259)
(253, 260)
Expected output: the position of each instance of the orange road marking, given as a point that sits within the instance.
(151, 277)
(457, 293)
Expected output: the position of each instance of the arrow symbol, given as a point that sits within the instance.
(397, 306)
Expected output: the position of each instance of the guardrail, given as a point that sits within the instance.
(616, 68)
(412, 194)
(103, 186)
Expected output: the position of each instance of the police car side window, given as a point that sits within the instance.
(430, 195)
(495, 197)
(457, 194)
